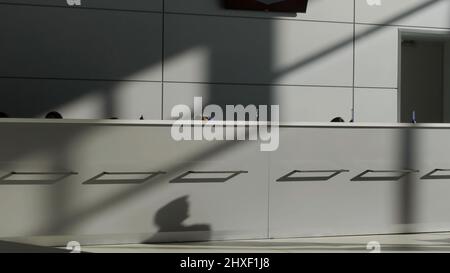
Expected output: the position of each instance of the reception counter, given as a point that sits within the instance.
(112, 181)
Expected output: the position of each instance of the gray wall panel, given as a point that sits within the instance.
(297, 103)
(141, 5)
(26, 98)
(317, 10)
(237, 50)
(77, 43)
(57, 3)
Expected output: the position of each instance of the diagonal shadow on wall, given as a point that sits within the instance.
(218, 55)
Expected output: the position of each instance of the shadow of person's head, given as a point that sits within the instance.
(171, 216)
(171, 227)
(53, 115)
(337, 119)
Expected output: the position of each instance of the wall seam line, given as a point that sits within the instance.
(162, 58)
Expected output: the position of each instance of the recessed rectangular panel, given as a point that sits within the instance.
(299, 176)
(122, 178)
(437, 174)
(206, 176)
(372, 175)
(34, 178)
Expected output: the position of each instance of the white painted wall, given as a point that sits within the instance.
(316, 65)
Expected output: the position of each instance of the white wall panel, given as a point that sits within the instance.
(313, 104)
(154, 210)
(426, 13)
(376, 105)
(376, 56)
(336, 206)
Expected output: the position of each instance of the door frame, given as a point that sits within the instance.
(416, 33)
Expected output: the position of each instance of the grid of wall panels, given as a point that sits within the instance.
(228, 53)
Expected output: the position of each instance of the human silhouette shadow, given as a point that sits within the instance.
(170, 221)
